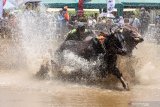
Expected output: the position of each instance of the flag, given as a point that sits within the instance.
(1, 8)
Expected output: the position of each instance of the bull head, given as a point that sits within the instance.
(134, 33)
(136, 36)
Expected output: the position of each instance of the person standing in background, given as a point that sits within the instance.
(135, 22)
(157, 21)
(144, 20)
(63, 18)
(65, 13)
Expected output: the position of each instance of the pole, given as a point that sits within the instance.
(120, 8)
(80, 7)
(1, 9)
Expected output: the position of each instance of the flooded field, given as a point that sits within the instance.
(19, 87)
(21, 59)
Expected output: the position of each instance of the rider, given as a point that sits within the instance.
(104, 44)
(79, 34)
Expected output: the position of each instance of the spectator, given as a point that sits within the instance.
(144, 20)
(104, 13)
(133, 21)
(65, 13)
(96, 16)
(157, 20)
(91, 22)
(120, 21)
(126, 20)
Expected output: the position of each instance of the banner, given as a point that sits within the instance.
(1, 9)
(110, 5)
(4, 2)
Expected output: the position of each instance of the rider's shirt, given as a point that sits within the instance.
(97, 46)
(108, 47)
(74, 35)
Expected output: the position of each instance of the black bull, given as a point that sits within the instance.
(91, 50)
(129, 38)
(121, 43)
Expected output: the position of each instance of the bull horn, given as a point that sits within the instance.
(139, 39)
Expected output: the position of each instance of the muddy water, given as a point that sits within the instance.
(18, 88)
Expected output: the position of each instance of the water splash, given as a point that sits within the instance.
(147, 69)
(37, 37)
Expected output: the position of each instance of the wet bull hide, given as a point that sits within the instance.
(132, 37)
(129, 39)
(125, 40)
(92, 49)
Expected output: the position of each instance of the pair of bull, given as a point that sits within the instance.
(121, 43)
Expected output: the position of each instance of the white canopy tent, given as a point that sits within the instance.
(10, 4)
(21, 2)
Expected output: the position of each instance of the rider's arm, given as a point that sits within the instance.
(70, 35)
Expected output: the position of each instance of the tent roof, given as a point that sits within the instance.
(140, 3)
(90, 4)
(9, 5)
(102, 3)
(61, 3)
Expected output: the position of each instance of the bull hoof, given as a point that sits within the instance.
(124, 83)
(126, 86)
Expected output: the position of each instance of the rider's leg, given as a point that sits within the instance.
(115, 71)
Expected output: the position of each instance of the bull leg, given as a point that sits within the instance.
(116, 72)
(124, 83)
(55, 66)
(43, 72)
